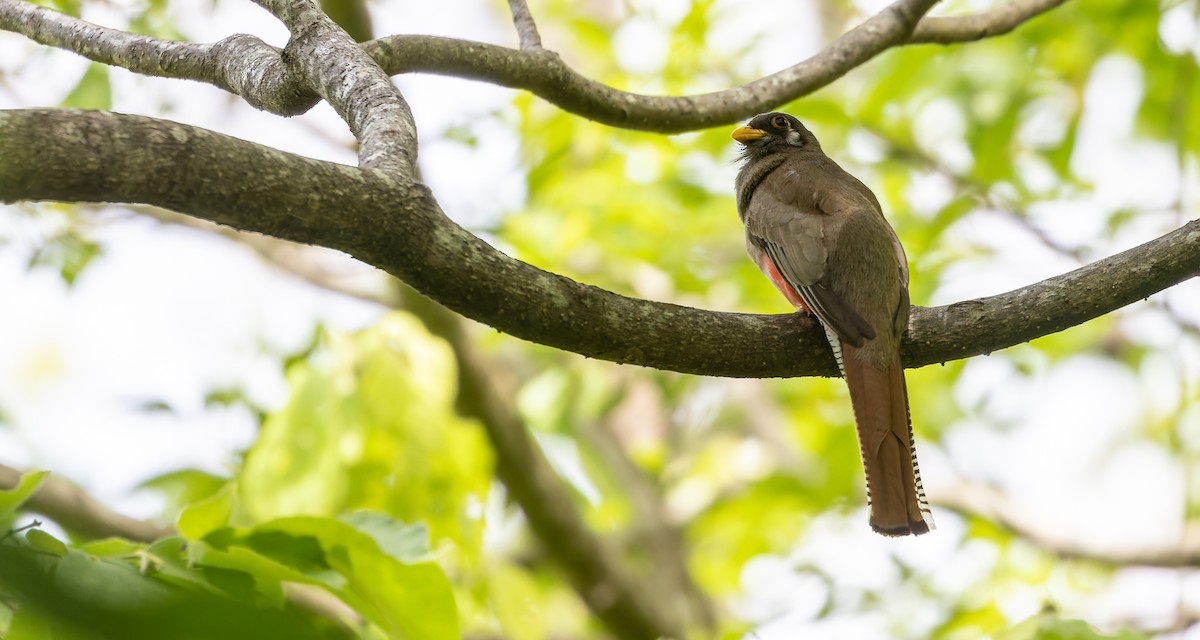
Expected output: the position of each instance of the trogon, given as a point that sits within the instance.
(819, 235)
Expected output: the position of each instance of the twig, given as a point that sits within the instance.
(526, 28)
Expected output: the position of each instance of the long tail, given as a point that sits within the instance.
(885, 438)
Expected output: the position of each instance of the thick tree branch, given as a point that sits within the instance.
(331, 64)
(244, 65)
(396, 225)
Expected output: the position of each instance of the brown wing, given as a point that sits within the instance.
(788, 225)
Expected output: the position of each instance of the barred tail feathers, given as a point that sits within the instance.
(881, 414)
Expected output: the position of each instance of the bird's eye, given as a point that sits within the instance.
(780, 122)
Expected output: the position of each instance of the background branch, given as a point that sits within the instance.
(241, 64)
(65, 503)
(245, 65)
(977, 500)
(997, 22)
(659, 539)
(624, 604)
(395, 225)
(538, 489)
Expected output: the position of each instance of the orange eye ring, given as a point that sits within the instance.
(779, 122)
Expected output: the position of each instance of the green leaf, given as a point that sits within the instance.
(83, 597)
(46, 543)
(373, 427)
(1048, 626)
(31, 624)
(109, 583)
(208, 515)
(184, 487)
(242, 572)
(93, 90)
(70, 7)
(404, 542)
(407, 600)
(69, 252)
(111, 547)
(12, 499)
(517, 603)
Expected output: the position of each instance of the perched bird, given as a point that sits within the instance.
(819, 235)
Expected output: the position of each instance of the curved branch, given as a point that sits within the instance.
(997, 22)
(241, 64)
(538, 71)
(397, 226)
(329, 62)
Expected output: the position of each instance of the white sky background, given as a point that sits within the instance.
(169, 313)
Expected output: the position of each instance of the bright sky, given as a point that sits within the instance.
(170, 314)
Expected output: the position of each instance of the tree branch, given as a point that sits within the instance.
(972, 499)
(592, 569)
(331, 64)
(659, 539)
(526, 28)
(625, 605)
(997, 22)
(544, 74)
(244, 65)
(241, 64)
(65, 503)
(397, 226)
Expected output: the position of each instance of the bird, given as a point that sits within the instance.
(819, 235)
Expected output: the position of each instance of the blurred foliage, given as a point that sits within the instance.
(369, 486)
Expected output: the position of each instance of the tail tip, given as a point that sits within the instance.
(916, 528)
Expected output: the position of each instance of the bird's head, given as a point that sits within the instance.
(768, 133)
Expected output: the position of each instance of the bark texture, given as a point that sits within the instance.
(397, 226)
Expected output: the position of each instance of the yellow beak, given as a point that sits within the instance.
(746, 134)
